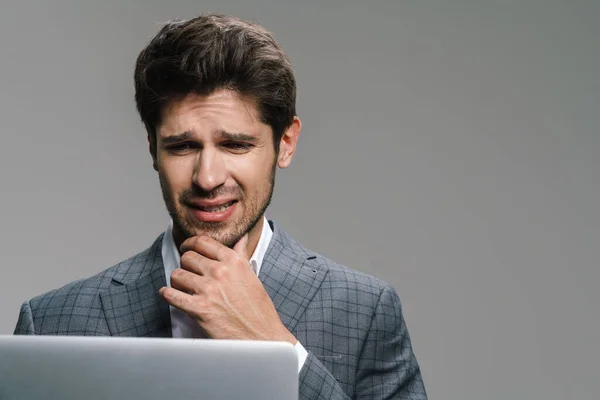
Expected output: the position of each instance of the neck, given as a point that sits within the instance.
(254, 237)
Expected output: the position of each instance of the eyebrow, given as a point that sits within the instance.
(222, 135)
(237, 136)
(182, 137)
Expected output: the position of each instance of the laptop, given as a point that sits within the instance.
(107, 368)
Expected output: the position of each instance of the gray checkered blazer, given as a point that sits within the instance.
(350, 323)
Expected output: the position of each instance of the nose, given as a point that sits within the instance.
(210, 171)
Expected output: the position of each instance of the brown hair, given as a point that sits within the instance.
(212, 52)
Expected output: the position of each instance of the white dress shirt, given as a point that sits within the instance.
(182, 325)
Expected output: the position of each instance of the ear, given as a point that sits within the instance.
(287, 145)
(152, 149)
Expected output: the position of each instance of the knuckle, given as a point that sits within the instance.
(223, 253)
(187, 257)
(200, 302)
(241, 262)
(208, 289)
(200, 240)
(220, 272)
(192, 243)
(200, 307)
(176, 273)
(172, 295)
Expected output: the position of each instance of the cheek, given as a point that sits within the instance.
(252, 173)
(176, 173)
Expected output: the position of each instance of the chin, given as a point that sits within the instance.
(217, 231)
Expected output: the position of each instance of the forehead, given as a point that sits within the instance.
(221, 110)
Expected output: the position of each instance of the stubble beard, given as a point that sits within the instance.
(188, 226)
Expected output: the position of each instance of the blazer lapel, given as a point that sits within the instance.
(132, 305)
(289, 276)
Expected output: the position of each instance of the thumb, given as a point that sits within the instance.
(241, 247)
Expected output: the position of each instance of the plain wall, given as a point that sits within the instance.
(451, 148)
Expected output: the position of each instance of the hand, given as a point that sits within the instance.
(217, 287)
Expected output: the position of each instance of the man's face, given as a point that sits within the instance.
(216, 163)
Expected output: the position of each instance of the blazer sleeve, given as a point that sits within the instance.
(317, 383)
(387, 368)
(25, 321)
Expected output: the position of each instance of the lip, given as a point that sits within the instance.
(210, 203)
(207, 216)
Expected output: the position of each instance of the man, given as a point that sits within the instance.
(217, 97)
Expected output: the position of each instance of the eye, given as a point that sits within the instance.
(180, 147)
(237, 146)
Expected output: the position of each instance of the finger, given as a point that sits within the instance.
(196, 263)
(206, 246)
(187, 282)
(241, 247)
(178, 299)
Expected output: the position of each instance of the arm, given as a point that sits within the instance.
(387, 367)
(25, 322)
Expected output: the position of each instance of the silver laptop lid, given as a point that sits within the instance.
(94, 368)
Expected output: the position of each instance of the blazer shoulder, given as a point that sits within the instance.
(344, 276)
(83, 292)
(352, 280)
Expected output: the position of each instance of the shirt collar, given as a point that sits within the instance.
(172, 259)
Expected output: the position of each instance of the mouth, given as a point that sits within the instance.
(215, 208)
(213, 212)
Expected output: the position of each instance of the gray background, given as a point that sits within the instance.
(449, 147)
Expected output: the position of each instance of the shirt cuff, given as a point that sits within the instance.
(302, 354)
